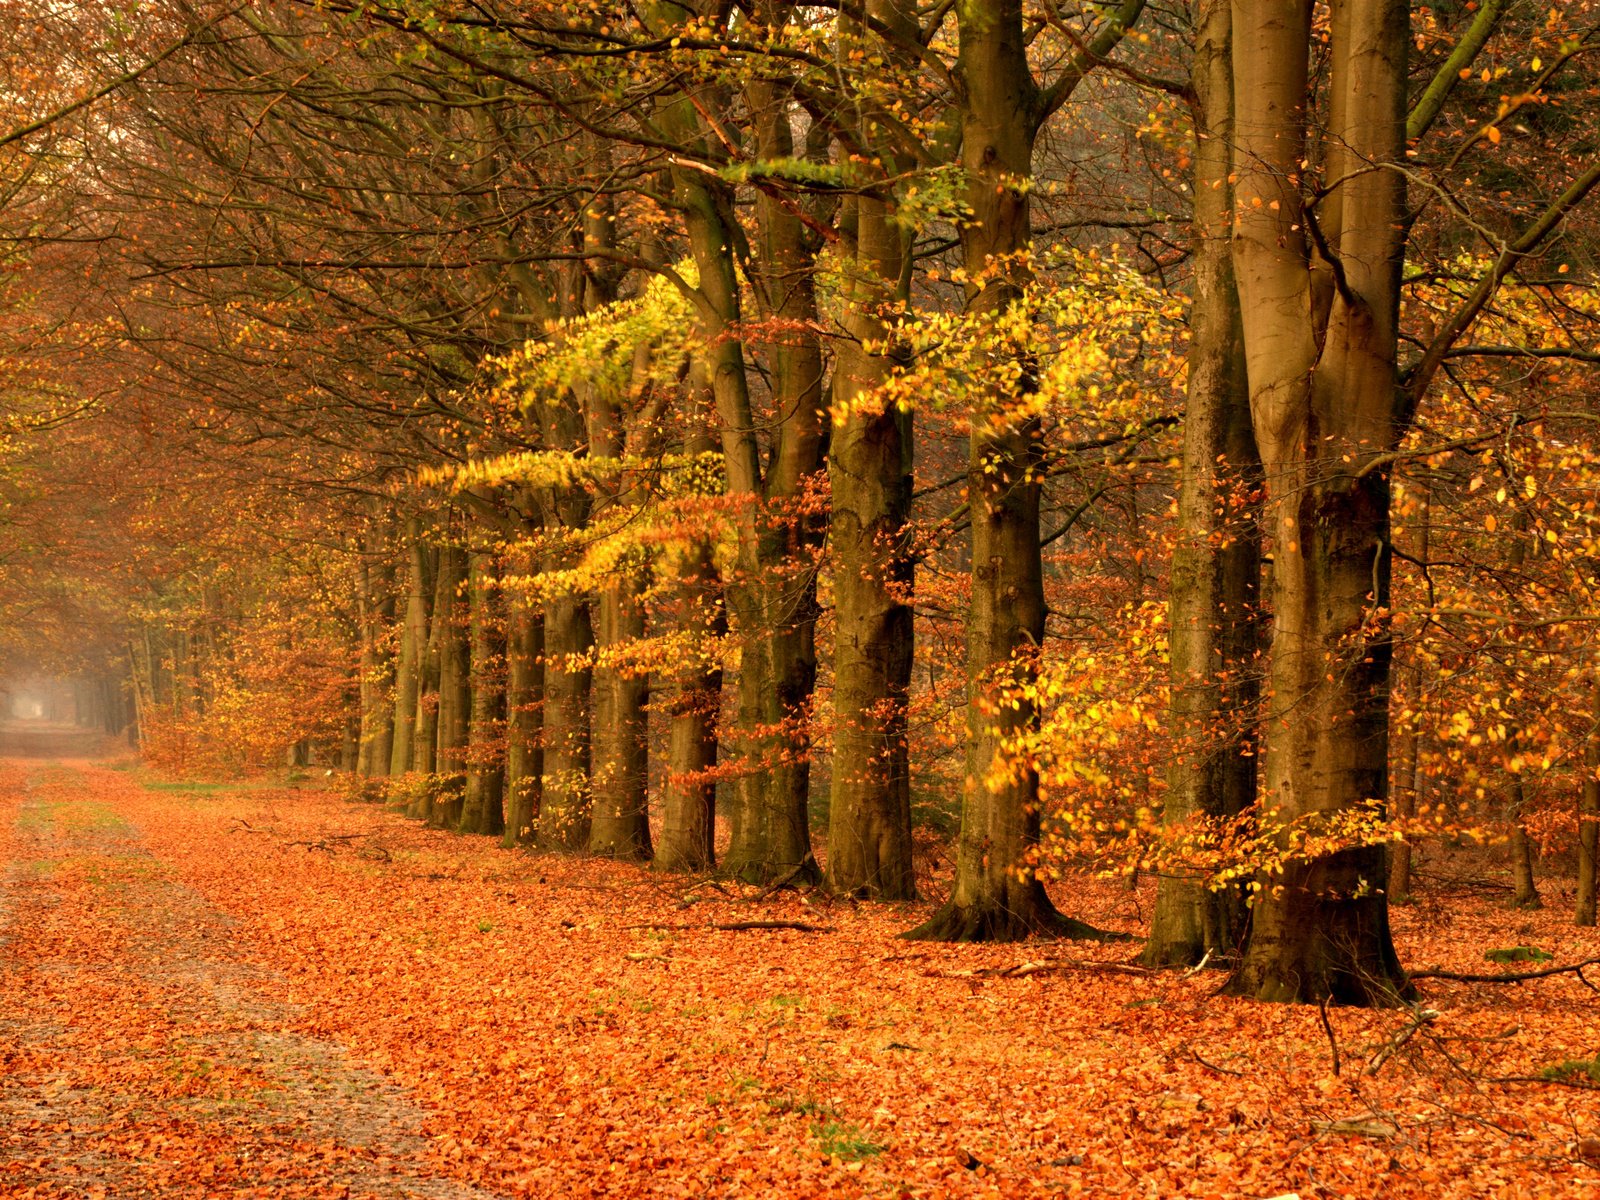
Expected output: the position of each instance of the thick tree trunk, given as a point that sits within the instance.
(376, 604)
(996, 895)
(694, 705)
(425, 740)
(566, 793)
(771, 586)
(524, 718)
(1320, 343)
(413, 646)
(771, 594)
(564, 808)
(455, 696)
(481, 810)
(869, 469)
(770, 826)
(689, 791)
(1216, 564)
(620, 825)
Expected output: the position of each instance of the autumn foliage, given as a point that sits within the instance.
(1020, 473)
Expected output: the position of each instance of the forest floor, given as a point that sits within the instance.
(240, 990)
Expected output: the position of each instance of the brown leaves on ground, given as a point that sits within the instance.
(577, 1028)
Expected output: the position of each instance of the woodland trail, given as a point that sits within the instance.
(139, 1055)
(38, 739)
(241, 990)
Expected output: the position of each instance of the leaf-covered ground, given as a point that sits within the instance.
(275, 992)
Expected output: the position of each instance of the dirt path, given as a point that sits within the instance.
(39, 739)
(139, 1055)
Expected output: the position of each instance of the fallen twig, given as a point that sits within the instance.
(1327, 1027)
(1556, 1080)
(1419, 1018)
(321, 843)
(1211, 1066)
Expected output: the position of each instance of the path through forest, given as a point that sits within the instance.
(140, 1054)
(235, 990)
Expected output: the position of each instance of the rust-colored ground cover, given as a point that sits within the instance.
(275, 992)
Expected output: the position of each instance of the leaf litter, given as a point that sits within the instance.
(281, 991)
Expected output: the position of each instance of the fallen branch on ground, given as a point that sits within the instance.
(1023, 969)
(1510, 976)
(1419, 1018)
(735, 926)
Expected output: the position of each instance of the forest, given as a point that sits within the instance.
(726, 597)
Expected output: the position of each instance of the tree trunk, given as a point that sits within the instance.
(1589, 819)
(568, 640)
(1320, 339)
(1525, 891)
(566, 795)
(425, 740)
(689, 790)
(769, 821)
(688, 809)
(376, 604)
(481, 810)
(620, 825)
(996, 895)
(524, 717)
(869, 469)
(455, 698)
(408, 662)
(1216, 565)
(773, 612)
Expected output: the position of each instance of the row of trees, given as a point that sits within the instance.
(760, 408)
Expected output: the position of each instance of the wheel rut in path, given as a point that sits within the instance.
(140, 1054)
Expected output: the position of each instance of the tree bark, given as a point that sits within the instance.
(1589, 819)
(689, 791)
(408, 662)
(568, 641)
(455, 697)
(425, 743)
(773, 609)
(1215, 630)
(869, 470)
(482, 810)
(769, 822)
(524, 718)
(620, 825)
(1320, 335)
(694, 705)
(996, 895)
